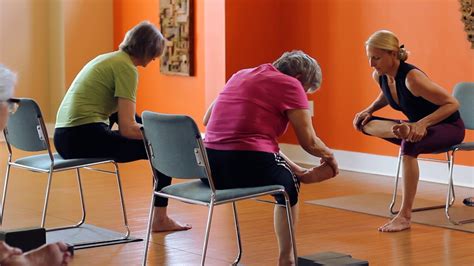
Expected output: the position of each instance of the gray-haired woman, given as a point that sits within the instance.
(108, 85)
(244, 122)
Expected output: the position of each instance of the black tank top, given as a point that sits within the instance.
(414, 107)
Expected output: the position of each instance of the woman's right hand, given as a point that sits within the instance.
(331, 161)
(361, 119)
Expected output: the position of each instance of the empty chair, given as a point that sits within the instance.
(464, 93)
(175, 148)
(26, 131)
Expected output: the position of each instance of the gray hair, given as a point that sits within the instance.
(387, 40)
(7, 83)
(302, 67)
(144, 41)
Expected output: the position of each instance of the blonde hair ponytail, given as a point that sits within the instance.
(387, 40)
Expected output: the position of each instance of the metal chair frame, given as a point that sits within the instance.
(202, 161)
(75, 166)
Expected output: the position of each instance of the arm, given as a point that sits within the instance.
(298, 170)
(363, 117)
(207, 116)
(300, 119)
(420, 85)
(128, 127)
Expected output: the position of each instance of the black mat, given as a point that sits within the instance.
(88, 236)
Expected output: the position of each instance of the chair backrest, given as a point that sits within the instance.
(25, 129)
(174, 145)
(464, 93)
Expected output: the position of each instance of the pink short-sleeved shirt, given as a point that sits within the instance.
(249, 114)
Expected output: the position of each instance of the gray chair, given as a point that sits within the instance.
(464, 93)
(26, 131)
(175, 148)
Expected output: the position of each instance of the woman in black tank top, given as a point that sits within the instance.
(433, 121)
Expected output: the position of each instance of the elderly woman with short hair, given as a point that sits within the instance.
(107, 85)
(244, 122)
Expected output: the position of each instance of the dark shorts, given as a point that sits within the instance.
(438, 138)
(97, 140)
(240, 169)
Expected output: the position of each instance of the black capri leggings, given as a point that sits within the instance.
(240, 169)
(97, 140)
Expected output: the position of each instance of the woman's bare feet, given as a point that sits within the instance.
(7, 251)
(401, 130)
(163, 223)
(317, 174)
(397, 224)
(55, 254)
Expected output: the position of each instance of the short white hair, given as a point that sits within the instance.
(7, 83)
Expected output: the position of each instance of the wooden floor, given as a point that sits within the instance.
(319, 228)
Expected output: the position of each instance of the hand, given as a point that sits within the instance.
(331, 161)
(361, 119)
(417, 132)
(6, 251)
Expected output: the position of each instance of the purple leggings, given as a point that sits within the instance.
(438, 138)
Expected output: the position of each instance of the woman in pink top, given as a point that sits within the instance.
(244, 122)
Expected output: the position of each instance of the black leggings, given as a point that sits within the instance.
(240, 169)
(97, 140)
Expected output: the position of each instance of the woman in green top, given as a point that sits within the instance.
(108, 85)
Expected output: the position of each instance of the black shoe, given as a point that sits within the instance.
(469, 201)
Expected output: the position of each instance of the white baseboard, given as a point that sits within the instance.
(384, 165)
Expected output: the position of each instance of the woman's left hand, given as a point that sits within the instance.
(417, 132)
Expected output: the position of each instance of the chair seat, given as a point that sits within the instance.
(465, 146)
(198, 191)
(43, 161)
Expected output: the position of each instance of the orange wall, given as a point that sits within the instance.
(334, 32)
(158, 92)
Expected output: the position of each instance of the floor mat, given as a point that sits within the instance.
(377, 204)
(88, 236)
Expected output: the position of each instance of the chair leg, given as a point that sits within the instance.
(395, 188)
(237, 232)
(289, 217)
(148, 230)
(81, 196)
(394, 196)
(46, 198)
(208, 229)
(4, 196)
(122, 202)
(450, 197)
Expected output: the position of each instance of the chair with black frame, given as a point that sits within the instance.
(175, 148)
(464, 93)
(26, 131)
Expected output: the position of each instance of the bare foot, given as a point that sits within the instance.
(401, 130)
(55, 254)
(167, 225)
(397, 224)
(317, 174)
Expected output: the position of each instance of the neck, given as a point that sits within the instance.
(393, 71)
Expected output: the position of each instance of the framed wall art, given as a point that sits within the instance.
(176, 21)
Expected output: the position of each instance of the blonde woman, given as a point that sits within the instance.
(433, 121)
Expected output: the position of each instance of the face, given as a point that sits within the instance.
(3, 114)
(309, 88)
(145, 62)
(380, 60)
